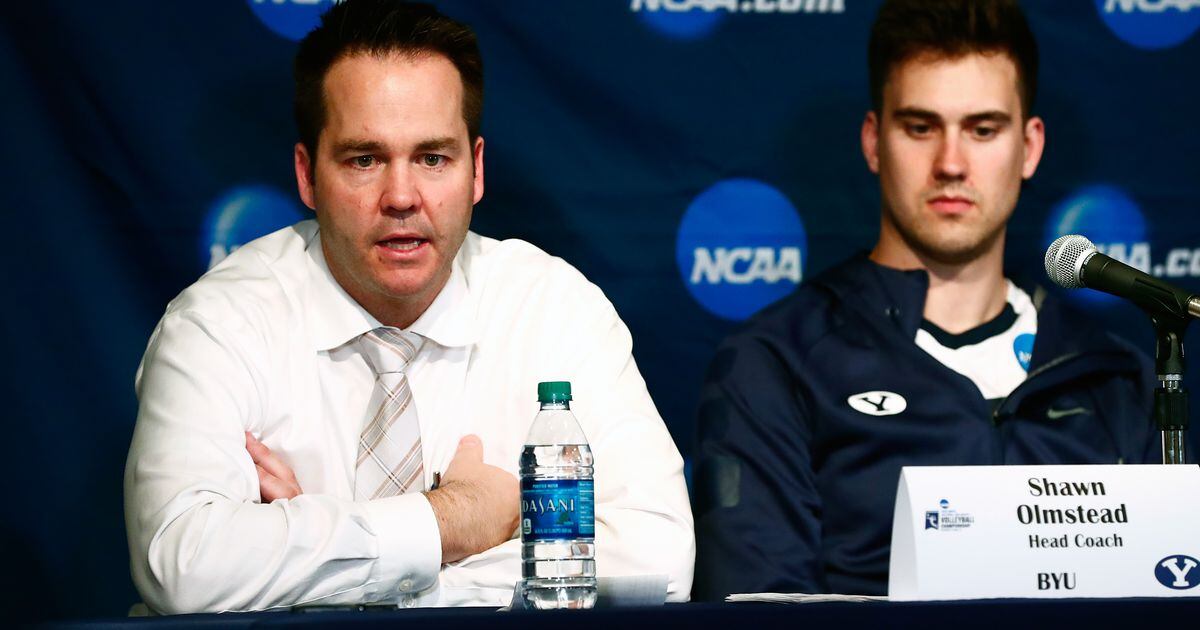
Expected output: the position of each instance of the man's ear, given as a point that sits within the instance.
(477, 156)
(870, 141)
(1035, 143)
(304, 175)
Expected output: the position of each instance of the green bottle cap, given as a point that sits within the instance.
(554, 391)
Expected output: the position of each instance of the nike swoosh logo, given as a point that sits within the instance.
(1055, 414)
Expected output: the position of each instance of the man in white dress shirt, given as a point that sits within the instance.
(240, 482)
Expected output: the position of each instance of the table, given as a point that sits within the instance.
(1009, 614)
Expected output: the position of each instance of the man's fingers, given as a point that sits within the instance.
(470, 447)
(275, 479)
(258, 451)
(263, 457)
(271, 488)
(467, 458)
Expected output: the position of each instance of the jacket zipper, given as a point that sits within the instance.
(1052, 364)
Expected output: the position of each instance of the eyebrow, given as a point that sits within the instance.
(993, 115)
(437, 144)
(356, 146)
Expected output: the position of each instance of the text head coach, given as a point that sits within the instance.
(270, 467)
(921, 352)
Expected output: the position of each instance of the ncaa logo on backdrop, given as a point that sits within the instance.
(243, 214)
(292, 19)
(741, 245)
(1109, 218)
(1177, 572)
(1151, 24)
(1112, 220)
(693, 19)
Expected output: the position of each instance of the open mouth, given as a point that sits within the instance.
(403, 244)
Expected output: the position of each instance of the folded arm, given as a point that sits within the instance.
(199, 538)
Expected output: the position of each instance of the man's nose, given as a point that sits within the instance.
(400, 190)
(951, 163)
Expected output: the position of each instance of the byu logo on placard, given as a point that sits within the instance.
(1177, 572)
(243, 214)
(1151, 24)
(741, 245)
(878, 403)
(292, 19)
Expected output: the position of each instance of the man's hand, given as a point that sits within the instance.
(476, 505)
(275, 479)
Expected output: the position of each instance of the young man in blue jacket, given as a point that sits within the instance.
(920, 353)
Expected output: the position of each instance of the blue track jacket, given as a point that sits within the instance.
(794, 488)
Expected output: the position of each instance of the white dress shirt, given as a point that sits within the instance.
(261, 343)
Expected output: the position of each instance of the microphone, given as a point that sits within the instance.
(1072, 262)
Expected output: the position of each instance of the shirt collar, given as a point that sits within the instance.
(881, 292)
(337, 318)
(450, 319)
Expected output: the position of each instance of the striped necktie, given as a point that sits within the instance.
(389, 448)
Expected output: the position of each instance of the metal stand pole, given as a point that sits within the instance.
(1170, 397)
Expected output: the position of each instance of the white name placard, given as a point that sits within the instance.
(969, 532)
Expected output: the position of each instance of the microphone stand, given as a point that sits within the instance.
(1170, 397)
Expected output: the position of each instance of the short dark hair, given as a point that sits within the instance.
(905, 29)
(381, 27)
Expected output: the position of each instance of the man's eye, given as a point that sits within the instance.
(919, 129)
(985, 132)
(432, 160)
(364, 161)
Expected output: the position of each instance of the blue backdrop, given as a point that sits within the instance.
(695, 158)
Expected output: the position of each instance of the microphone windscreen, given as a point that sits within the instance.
(1065, 258)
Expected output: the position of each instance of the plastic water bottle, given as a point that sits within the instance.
(558, 523)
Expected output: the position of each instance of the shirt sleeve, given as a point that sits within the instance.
(199, 538)
(757, 503)
(643, 516)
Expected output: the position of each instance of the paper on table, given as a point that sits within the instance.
(802, 598)
(631, 590)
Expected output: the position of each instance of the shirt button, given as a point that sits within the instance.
(406, 585)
